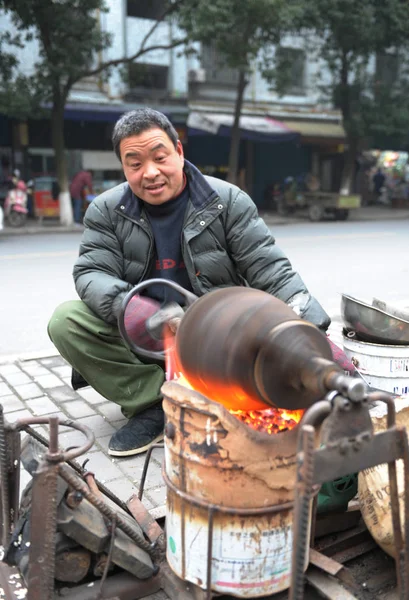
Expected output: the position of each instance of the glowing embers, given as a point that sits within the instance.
(271, 421)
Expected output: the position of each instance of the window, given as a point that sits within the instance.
(146, 9)
(143, 76)
(387, 68)
(216, 71)
(292, 59)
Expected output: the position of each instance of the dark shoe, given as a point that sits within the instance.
(77, 380)
(139, 433)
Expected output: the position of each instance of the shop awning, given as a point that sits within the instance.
(317, 129)
(93, 112)
(255, 128)
(111, 112)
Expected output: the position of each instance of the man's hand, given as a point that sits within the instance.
(138, 311)
(145, 320)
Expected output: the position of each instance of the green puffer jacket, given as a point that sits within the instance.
(224, 243)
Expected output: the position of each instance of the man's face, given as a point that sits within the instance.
(152, 165)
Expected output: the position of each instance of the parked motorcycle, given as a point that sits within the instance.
(15, 205)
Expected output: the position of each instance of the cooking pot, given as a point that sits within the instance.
(373, 324)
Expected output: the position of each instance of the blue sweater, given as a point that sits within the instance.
(166, 221)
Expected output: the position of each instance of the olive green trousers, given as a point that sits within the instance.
(97, 351)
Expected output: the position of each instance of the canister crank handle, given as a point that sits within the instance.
(352, 388)
(165, 314)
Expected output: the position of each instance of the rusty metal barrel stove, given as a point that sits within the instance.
(230, 493)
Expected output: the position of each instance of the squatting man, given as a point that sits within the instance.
(166, 214)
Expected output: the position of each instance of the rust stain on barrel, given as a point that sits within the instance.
(204, 448)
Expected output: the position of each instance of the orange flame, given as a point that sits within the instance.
(251, 411)
(171, 362)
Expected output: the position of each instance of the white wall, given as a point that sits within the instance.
(29, 55)
(114, 22)
(259, 89)
(178, 63)
(127, 34)
(181, 65)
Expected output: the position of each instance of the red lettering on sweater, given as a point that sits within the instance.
(168, 263)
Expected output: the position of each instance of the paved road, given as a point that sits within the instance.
(35, 274)
(363, 259)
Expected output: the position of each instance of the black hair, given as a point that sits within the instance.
(136, 121)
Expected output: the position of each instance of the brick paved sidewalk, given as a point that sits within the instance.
(42, 387)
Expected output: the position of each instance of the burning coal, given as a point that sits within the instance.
(271, 421)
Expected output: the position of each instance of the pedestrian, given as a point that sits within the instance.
(166, 214)
(80, 188)
(378, 183)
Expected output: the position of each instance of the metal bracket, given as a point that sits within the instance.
(348, 444)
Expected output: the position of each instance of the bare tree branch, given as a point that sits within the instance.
(142, 50)
(119, 61)
(171, 9)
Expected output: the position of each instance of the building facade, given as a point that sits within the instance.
(198, 94)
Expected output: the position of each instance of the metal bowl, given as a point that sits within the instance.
(373, 324)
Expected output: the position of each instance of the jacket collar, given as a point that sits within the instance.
(200, 190)
(201, 193)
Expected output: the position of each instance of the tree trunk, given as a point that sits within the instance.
(346, 105)
(57, 135)
(235, 134)
(348, 171)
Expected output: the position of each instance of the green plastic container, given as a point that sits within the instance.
(335, 495)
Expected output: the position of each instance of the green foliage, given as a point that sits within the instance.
(19, 98)
(386, 115)
(71, 44)
(283, 67)
(347, 38)
(69, 38)
(7, 59)
(237, 29)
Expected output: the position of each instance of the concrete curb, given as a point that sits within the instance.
(35, 230)
(25, 356)
(358, 217)
(272, 220)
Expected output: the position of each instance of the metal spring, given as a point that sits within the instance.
(5, 497)
(302, 515)
(50, 526)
